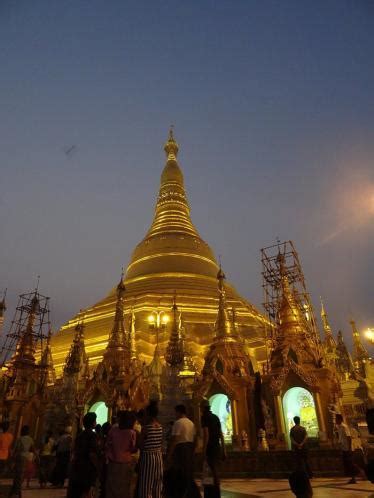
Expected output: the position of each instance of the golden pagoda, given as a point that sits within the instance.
(171, 260)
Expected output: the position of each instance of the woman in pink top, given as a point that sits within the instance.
(120, 447)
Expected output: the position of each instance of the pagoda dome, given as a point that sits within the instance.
(172, 259)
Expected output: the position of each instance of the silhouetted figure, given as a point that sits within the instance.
(299, 438)
(24, 445)
(85, 466)
(179, 480)
(345, 444)
(6, 440)
(63, 453)
(300, 484)
(120, 448)
(46, 459)
(150, 463)
(213, 445)
(103, 465)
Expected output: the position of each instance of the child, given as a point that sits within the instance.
(30, 467)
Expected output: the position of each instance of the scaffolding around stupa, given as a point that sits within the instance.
(279, 261)
(31, 303)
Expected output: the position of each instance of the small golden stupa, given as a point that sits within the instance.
(171, 260)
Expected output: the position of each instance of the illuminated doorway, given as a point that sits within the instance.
(221, 406)
(101, 411)
(297, 401)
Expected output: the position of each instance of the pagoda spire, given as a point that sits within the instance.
(329, 341)
(2, 309)
(76, 358)
(360, 355)
(171, 147)
(46, 363)
(290, 319)
(117, 337)
(174, 352)
(343, 361)
(172, 212)
(25, 351)
(132, 337)
(223, 324)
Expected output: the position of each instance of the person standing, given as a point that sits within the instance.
(181, 450)
(24, 445)
(213, 443)
(345, 444)
(85, 465)
(299, 438)
(120, 448)
(6, 440)
(63, 452)
(46, 459)
(150, 463)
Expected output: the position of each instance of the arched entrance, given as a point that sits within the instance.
(101, 411)
(221, 406)
(297, 401)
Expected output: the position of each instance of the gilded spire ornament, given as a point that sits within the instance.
(360, 355)
(329, 341)
(76, 357)
(174, 352)
(2, 306)
(132, 337)
(46, 363)
(25, 352)
(223, 324)
(344, 362)
(290, 317)
(117, 337)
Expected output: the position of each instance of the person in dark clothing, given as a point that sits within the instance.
(85, 464)
(300, 484)
(63, 452)
(179, 480)
(299, 438)
(213, 442)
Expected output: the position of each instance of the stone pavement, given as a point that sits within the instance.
(253, 488)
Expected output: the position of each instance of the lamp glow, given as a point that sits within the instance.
(369, 334)
(151, 319)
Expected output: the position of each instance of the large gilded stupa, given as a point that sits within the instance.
(171, 260)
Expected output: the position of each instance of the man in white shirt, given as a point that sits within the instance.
(345, 444)
(182, 447)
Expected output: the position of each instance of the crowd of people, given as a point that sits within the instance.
(133, 457)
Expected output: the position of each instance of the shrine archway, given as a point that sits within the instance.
(220, 405)
(298, 401)
(101, 411)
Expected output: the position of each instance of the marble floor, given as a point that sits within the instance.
(249, 488)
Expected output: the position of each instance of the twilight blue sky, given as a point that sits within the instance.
(273, 108)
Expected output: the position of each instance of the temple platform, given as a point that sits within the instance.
(251, 488)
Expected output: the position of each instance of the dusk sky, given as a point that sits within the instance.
(273, 108)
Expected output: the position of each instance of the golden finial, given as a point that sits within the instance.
(171, 147)
(121, 284)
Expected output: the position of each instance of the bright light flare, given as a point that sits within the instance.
(369, 334)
